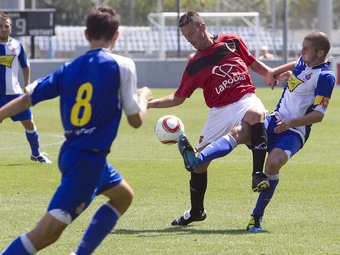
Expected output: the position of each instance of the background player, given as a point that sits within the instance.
(13, 56)
(220, 68)
(93, 90)
(303, 102)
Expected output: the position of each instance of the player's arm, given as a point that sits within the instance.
(282, 69)
(26, 75)
(280, 73)
(259, 67)
(166, 102)
(15, 106)
(262, 69)
(144, 96)
(309, 119)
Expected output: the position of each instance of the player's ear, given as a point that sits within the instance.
(86, 35)
(321, 53)
(203, 27)
(115, 35)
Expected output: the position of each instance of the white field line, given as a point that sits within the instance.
(25, 143)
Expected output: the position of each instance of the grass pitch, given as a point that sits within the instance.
(302, 218)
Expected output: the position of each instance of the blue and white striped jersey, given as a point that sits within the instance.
(308, 89)
(12, 57)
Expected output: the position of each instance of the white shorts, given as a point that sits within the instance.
(221, 120)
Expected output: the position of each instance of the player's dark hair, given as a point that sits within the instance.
(102, 22)
(190, 16)
(319, 40)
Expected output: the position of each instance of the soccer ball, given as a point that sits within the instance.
(168, 128)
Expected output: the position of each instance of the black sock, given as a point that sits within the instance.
(258, 146)
(198, 186)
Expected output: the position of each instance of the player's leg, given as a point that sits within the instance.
(282, 147)
(220, 121)
(120, 196)
(255, 118)
(73, 195)
(223, 146)
(240, 134)
(47, 231)
(198, 181)
(32, 136)
(276, 159)
(198, 185)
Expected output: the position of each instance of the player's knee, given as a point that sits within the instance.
(61, 216)
(129, 197)
(274, 165)
(254, 116)
(122, 200)
(241, 133)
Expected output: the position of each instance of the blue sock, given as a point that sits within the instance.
(217, 149)
(33, 139)
(102, 223)
(21, 245)
(266, 195)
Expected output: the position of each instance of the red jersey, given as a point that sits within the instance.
(221, 70)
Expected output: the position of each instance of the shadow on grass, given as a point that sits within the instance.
(14, 164)
(186, 230)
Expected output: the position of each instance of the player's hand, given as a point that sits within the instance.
(270, 79)
(284, 77)
(145, 93)
(281, 127)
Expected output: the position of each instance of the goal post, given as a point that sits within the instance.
(161, 21)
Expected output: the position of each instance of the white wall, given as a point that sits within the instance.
(151, 73)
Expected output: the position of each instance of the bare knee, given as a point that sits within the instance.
(241, 133)
(28, 124)
(253, 116)
(276, 159)
(120, 196)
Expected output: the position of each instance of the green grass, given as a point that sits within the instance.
(301, 219)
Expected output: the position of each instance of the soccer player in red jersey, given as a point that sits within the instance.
(220, 68)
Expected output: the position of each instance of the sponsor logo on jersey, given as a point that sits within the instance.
(224, 71)
(82, 131)
(293, 82)
(7, 60)
(308, 76)
(231, 46)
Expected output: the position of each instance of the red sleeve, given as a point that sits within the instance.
(245, 53)
(186, 87)
(242, 49)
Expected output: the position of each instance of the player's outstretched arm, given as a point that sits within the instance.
(262, 69)
(259, 67)
(280, 73)
(166, 102)
(308, 119)
(144, 96)
(15, 106)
